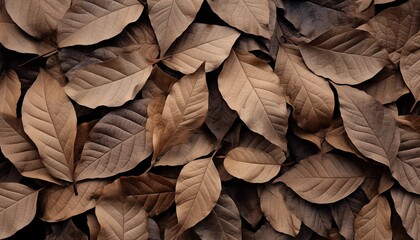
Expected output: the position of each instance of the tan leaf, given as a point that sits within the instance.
(89, 21)
(140, 32)
(374, 220)
(159, 83)
(250, 139)
(345, 55)
(82, 136)
(120, 135)
(250, 16)
(223, 222)
(405, 168)
(121, 218)
(66, 231)
(251, 165)
(50, 121)
(58, 203)
(324, 178)
(170, 18)
(38, 18)
(184, 111)
(408, 207)
(9, 92)
(310, 95)
(250, 87)
(196, 193)
(378, 140)
(17, 207)
(153, 229)
(410, 63)
(398, 24)
(13, 38)
(276, 211)
(93, 225)
(201, 43)
(114, 82)
(200, 144)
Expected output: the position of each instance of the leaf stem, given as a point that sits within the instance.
(40, 56)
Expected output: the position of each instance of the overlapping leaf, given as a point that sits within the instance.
(410, 63)
(9, 92)
(408, 207)
(66, 231)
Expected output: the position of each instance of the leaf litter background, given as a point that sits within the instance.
(238, 119)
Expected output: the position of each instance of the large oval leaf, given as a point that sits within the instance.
(17, 207)
(410, 63)
(378, 140)
(170, 18)
(201, 43)
(196, 193)
(90, 21)
(114, 82)
(310, 95)
(324, 178)
(250, 87)
(120, 135)
(9, 92)
(250, 16)
(251, 164)
(50, 121)
(374, 220)
(408, 207)
(345, 55)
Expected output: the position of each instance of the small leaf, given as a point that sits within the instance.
(66, 231)
(9, 92)
(17, 207)
(88, 22)
(408, 207)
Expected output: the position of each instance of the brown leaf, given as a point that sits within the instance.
(159, 83)
(250, 87)
(120, 135)
(17, 207)
(170, 18)
(276, 211)
(250, 16)
(38, 18)
(265, 232)
(184, 111)
(140, 32)
(378, 140)
(9, 92)
(50, 121)
(82, 136)
(311, 96)
(410, 63)
(153, 230)
(324, 178)
(8, 172)
(58, 203)
(345, 55)
(251, 165)
(374, 220)
(197, 191)
(88, 22)
(201, 43)
(223, 222)
(121, 218)
(66, 231)
(407, 206)
(114, 82)
(93, 224)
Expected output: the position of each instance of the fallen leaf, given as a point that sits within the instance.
(407, 206)
(93, 224)
(66, 231)
(410, 62)
(159, 83)
(9, 92)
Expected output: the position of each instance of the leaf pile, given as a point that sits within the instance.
(209, 119)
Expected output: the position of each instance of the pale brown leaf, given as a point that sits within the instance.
(345, 55)
(9, 92)
(250, 16)
(119, 135)
(201, 43)
(410, 63)
(370, 126)
(89, 21)
(310, 95)
(140, 32)
(197, 191)
(17, 207)
(170, 18)
(93, 224)
(39, 18)
(66, 231)
(159, 83)
(50, 121)
(250, 87)
(374, 220)
(408, 207)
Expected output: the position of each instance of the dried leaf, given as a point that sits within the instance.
(93, 224)
(50, 121)
(201, 43)
(324, 178)
(378, 140)
(170, 18)
(17, 207)
(9, 92)
(410, 63)
(120, 135)
(89, 21)
(345, 55)
(66, 231)
(250, 87)
(114, 82)
(159, 83)
(310, 95)
(407, 206)
(197, 191)
(374, 220)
